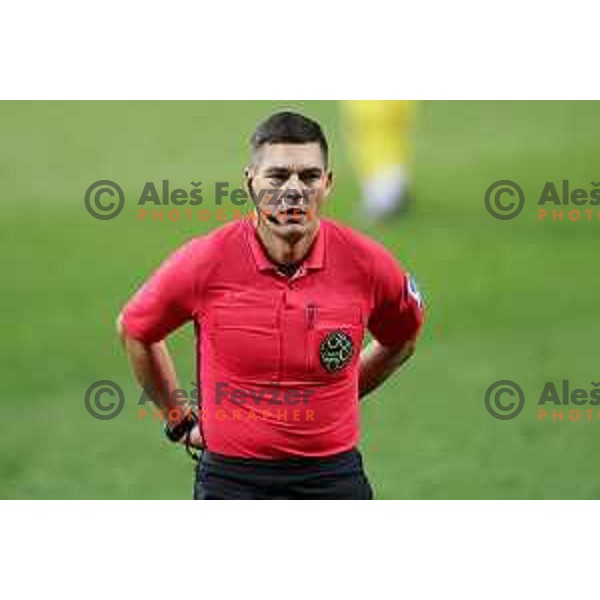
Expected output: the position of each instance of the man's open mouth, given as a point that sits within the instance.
(287, 215)
(290, 210)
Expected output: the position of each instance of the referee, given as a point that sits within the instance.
(280, 305)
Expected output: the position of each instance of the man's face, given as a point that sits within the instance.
(289, 183)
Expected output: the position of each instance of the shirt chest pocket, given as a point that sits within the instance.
(244, 340)
(334, 339)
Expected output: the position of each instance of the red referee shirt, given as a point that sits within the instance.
(278, 357)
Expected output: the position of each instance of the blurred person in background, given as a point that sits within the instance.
(379, 137)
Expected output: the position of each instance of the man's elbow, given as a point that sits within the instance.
(403, 352)
(410, 348)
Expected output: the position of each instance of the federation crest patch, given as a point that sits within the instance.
(414, 292)
(336, 351)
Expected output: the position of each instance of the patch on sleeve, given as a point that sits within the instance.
(413, 291)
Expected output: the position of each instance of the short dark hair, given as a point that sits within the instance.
(288, 127)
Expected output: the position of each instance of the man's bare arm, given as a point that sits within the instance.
(154, 371)
(378, 362)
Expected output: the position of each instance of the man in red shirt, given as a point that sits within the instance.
(280, 305)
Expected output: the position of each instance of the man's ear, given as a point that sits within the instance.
(248, 175)
(329, 183)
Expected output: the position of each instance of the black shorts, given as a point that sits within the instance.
(338, 477)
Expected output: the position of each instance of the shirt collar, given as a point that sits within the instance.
(314, 260)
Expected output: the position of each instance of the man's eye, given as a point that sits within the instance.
(311, 176)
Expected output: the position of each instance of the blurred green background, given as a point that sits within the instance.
(507, 299)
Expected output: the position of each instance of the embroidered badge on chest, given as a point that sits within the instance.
(336, 351)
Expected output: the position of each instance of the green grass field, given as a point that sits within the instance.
(507, 300)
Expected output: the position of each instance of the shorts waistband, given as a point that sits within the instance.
(343, 458)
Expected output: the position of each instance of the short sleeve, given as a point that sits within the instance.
(166, 301)
(398, 312)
